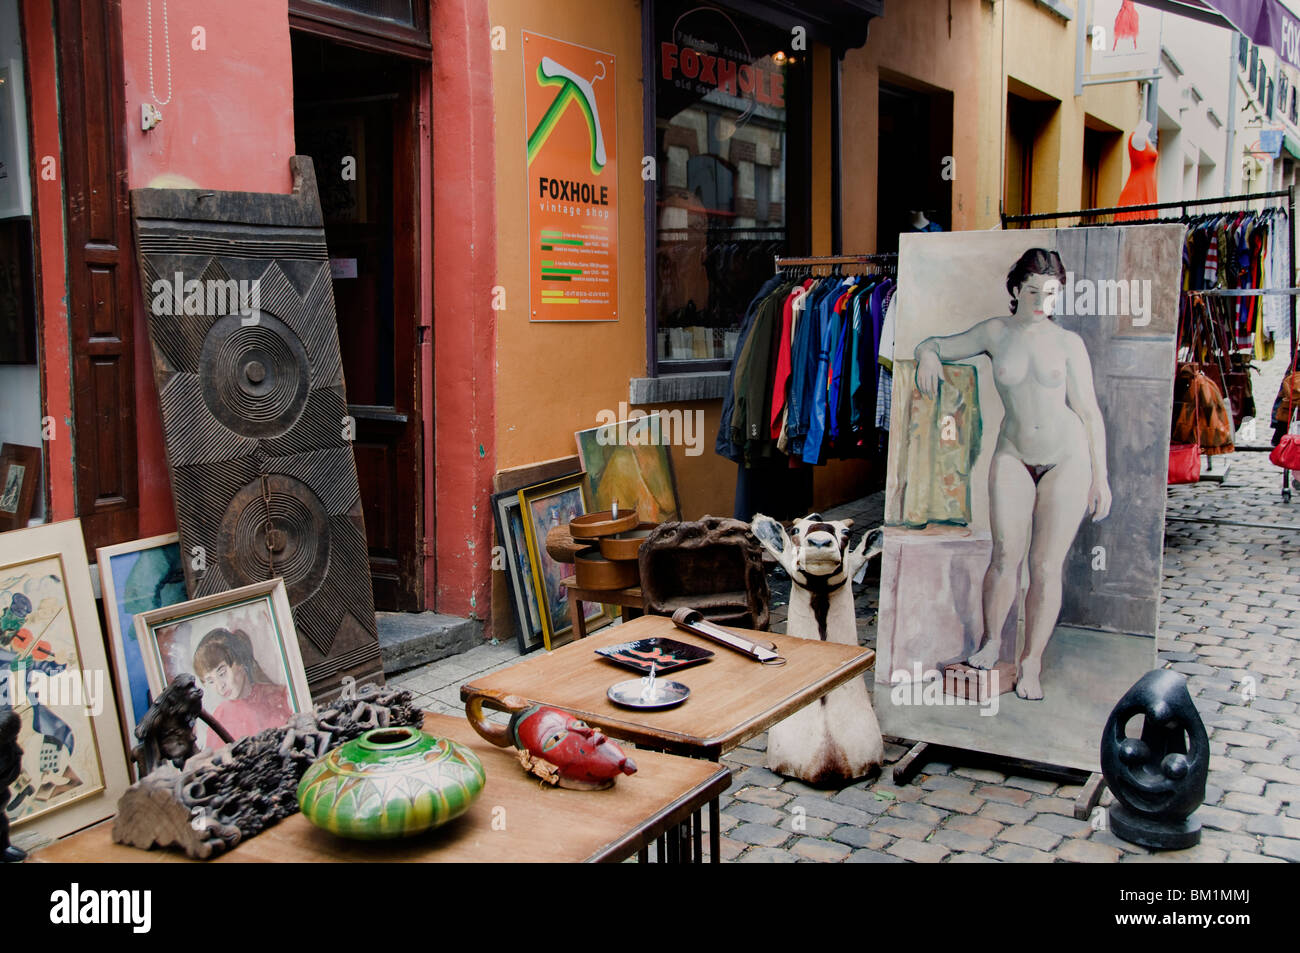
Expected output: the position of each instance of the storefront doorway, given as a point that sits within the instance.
(356, 115)
(915, 172)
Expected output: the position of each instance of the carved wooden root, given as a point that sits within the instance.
(150, 814)
(831, 741)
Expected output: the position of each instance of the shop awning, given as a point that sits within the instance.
(1264, 22)
(841, 24)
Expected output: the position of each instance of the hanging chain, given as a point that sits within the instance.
(167, 49)
(268, 526)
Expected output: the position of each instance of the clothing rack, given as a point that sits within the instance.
(1182, 207)
(888, 261)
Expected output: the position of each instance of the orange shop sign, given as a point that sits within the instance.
(569, 95)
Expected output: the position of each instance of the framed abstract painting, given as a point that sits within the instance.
(241, 648)
(54, 675)
(628, 461)
(136, 577)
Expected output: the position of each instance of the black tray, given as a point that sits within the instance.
(668, 655)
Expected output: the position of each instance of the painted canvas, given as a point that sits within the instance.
(136, 577)
(54, 675)
(242, 649)
(544, 507)
(1025, 490)
(628, 461)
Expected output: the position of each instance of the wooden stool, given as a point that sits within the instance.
(629, 598)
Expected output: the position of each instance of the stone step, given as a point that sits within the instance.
(411, 639)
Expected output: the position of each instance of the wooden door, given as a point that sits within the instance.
(101, 276)
(366, 153)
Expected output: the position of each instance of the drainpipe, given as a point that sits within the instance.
(1229, 160)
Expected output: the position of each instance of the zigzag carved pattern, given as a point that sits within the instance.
(319, 427)
(203, 438)
(319, 469)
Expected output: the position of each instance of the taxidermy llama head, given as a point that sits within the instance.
(819, 556)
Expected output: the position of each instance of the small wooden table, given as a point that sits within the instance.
(629, 598)
(733, 698)
(516, 819)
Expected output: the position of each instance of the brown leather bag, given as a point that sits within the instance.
(1288, 395)
(1202, 417)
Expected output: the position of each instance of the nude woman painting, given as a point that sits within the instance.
(1048, 470)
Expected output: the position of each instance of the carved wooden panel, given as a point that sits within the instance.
(254, 412)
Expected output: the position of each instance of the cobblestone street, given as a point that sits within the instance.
(1230, 622)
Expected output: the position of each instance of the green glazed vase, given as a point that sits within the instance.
(390, 782)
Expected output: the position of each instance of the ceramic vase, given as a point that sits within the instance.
(389, 783)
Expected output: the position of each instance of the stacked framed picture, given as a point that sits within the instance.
(540, 600)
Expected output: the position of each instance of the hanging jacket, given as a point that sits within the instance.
(724, 446)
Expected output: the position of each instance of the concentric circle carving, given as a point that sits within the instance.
(255, 377)
(290, 537)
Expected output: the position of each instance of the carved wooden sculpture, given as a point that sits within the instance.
(713, 565)
(836, 738)
(246, 360)
(166, 732)
(219, 799)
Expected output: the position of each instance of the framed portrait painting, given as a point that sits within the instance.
(509, 517)
(54, 675)
(136, 577)
(628, 461)
(545, 506)
(241, 648)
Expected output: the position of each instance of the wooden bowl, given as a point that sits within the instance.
(595, 525)
(626, 545)
(594, 571)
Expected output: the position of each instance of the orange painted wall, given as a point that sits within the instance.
(553, 378)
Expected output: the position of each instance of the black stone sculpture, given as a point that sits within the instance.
(1158, 779)
(11, 765)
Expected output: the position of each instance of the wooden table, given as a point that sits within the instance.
(733, 698)
(516, 819)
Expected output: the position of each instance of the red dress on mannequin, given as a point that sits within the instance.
(1126, 25)
(1140, 189)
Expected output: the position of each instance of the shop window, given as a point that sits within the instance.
(732, 113)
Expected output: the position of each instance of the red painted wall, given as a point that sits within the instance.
(464, 324)
(47, 199)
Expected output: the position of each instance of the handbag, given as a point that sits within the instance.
(1287, 452)
(1184, 463)
(1202, 418)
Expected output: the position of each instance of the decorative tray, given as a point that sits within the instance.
(667, 655)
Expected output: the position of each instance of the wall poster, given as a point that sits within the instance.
(569, 100)
(1025, 492)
